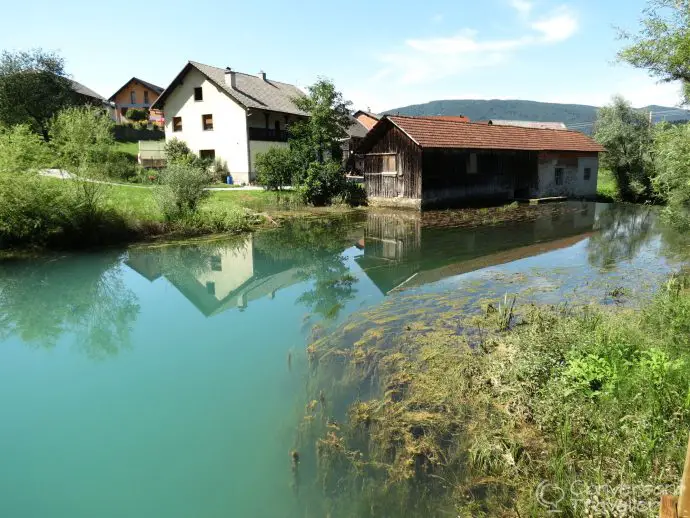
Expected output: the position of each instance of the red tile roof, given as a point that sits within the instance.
(440, 133)
(452, 118)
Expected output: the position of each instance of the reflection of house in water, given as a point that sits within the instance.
(401, 250)
(216, 277)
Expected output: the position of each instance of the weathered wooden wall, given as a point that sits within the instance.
(500, 175)
(407, 184)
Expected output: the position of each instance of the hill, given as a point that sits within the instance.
(579, 116)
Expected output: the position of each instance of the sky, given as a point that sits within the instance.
(381, 54)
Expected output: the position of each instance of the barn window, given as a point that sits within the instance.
(389, 164)
(177, 123)
(207, 121)
(198, 94)
(472, 164)
(588, 173)
(559, 176)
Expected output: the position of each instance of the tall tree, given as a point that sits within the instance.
(627, 136)
(327, 125)
(33, 88)
(662, 45)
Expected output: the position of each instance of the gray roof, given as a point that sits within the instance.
(83, 90)
(150, 86)
(251, 91)
(529, 124)
(357, 129)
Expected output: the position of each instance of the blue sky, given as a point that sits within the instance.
(381, 53)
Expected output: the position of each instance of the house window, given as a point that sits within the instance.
(559, 176)
(207, 122)
(588, 173)
(177, 123)
(276, 125)
(132, 97)
(472, 164)
(216, 264)
(211, 288)
(389, 164)
(207, 154)
(146, 97)
(198, 94)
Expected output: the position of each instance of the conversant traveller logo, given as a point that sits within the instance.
(596, 500)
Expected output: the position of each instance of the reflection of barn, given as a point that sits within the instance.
(216, 278)
(406, 249)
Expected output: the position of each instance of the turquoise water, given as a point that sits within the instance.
(168, 381)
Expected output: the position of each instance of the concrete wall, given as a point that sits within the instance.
(260, 146)
(229, 135)
(574, 183)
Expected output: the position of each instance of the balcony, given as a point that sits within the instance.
(267, 134)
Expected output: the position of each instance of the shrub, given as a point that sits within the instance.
(182, 189)
(120, 166)
(354, 194)
(321, 183)
(21, 150)
(672, 166)
(177, 151)
(137, 115)
(217, 220)
(276, 168)
(82, 136)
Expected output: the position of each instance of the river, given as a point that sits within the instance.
(168, 380)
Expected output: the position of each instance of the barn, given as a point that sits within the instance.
(427, 162)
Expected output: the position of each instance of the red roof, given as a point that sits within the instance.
(431, 132)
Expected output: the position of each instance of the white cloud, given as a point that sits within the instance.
(522, 6)
(558, 26)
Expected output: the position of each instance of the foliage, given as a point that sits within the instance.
(672, 166)
(353, 194)
(627, 136)
(137, 114)
(33, 88)
(329, 119)
(662, 45)
(82, 137)
(22, 150)
(321, 183)
(177, 151)
(182, 189)
(276, 168)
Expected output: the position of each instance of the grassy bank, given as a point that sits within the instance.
(517, 412)
(607, 190)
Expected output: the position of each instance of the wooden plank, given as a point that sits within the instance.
(668, 507)
(684, 498)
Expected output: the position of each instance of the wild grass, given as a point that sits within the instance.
(448, 422)
(607, 189)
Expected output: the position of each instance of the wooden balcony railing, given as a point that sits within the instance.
(267, 134)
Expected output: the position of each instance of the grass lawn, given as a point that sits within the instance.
(606, 186)
(131, 148)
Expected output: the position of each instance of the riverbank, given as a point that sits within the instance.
(517, 411)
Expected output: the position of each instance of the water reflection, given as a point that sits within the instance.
(622, 231)
(84, 295)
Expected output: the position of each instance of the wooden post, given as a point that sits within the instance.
(684, 498)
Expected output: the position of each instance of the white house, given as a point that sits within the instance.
(228, 115)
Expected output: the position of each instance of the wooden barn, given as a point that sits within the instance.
(425, 162)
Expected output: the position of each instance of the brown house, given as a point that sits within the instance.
(136, 93)
(433, 161)
(367, 119)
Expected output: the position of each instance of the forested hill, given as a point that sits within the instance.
(572, 114)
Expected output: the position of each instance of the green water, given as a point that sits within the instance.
(169, 381)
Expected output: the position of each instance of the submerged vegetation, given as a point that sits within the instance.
(515, 412)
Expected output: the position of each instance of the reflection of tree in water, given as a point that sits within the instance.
(315, 247)
(85, 295)
(623, 229)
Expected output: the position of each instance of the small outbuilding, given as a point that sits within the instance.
(424, 162)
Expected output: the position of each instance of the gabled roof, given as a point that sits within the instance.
(529, 124)
(83, 90)
(251, 91)
(367, 124)
(357, 129)
(439, 133)
(150, 86)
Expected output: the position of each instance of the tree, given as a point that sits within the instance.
(662, 45)
(326, 126)
(33, 88)
(82, 137)
(137, 114)
(21, 150)
(627, 136)
(275, 168)
(672, 166)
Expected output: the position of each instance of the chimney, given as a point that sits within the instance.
(230, 78)
(262, 75)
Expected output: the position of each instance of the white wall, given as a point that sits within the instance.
(229, 135)
(574, 183)
(259, 146)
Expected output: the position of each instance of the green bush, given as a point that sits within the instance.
(182, 189)
(672, 166)
(177, 151)
(321, 183)
(217, 220)
(354, 194)
(276, 168)
(22, 150)
(120, 166)
(82, 136)
(137, 115)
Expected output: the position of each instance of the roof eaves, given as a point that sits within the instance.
(386, 117)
